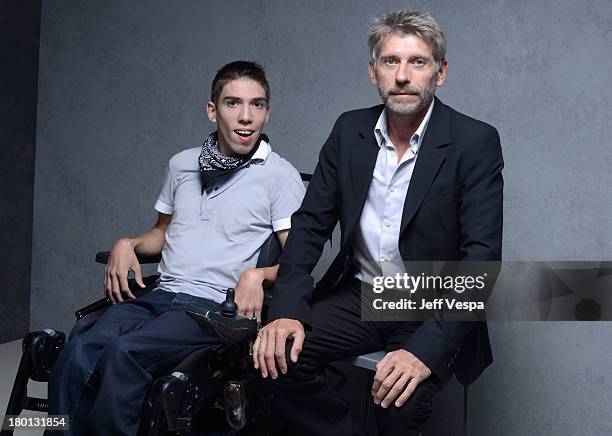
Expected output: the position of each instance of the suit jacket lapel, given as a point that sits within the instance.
(430, 157)
(363, 160)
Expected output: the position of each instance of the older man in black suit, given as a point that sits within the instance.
(410, 180)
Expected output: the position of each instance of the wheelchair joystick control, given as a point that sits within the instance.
(226, 323)
(229, 308)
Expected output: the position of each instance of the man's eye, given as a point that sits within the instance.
(259, 105)
(232, 103)
(419, 62)
(390, 61)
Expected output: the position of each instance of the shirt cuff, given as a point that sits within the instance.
(162, 207)
(282, 224)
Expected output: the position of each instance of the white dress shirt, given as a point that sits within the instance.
(376, 250)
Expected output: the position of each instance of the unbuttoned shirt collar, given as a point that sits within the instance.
(381, 133)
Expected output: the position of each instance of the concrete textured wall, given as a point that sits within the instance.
(19, 39)
(122, 85)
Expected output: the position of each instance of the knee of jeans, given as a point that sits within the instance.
(73, 361)
(72, 346)
(118, 348)
(73, 350)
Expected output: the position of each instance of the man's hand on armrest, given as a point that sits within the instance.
(269, 347)
(123, 258)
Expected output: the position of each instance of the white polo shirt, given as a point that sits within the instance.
(215, 236)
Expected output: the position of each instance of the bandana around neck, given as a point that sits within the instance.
(214, 164)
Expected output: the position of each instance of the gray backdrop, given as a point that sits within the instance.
(19, 37)
(122, 85)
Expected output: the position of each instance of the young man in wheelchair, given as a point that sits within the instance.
(218, 205)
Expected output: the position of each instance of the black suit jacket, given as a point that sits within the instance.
(452, 211)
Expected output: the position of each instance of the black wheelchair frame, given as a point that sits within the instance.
(175, 400)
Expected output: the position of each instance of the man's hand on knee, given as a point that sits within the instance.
(122, 259)
(249, 293)
(397, 376)
(269, 347)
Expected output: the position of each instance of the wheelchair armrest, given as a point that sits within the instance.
(103, 303)
(102, 257)
(100, 304)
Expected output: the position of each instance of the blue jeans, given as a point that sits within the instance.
(101, 377)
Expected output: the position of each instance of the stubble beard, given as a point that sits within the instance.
(403, 107)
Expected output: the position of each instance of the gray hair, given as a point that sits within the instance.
(408, 22)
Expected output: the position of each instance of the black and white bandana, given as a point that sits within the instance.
(214, 164)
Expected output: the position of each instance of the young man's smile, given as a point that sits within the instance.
(240, 114)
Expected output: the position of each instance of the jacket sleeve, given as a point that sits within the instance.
(436, 342)
(311, 226)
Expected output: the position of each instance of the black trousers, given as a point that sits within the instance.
(311, 404)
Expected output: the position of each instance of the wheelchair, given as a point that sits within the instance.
(207, 391)
(212, 391)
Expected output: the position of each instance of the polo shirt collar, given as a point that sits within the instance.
(262, 153)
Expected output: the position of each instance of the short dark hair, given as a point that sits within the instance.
(238, 70)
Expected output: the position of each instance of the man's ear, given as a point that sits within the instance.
(267, 115)
(211, 111)
(372, 71)
(442, 73)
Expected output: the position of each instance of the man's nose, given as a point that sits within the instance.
(245, 116)
(402, 74)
